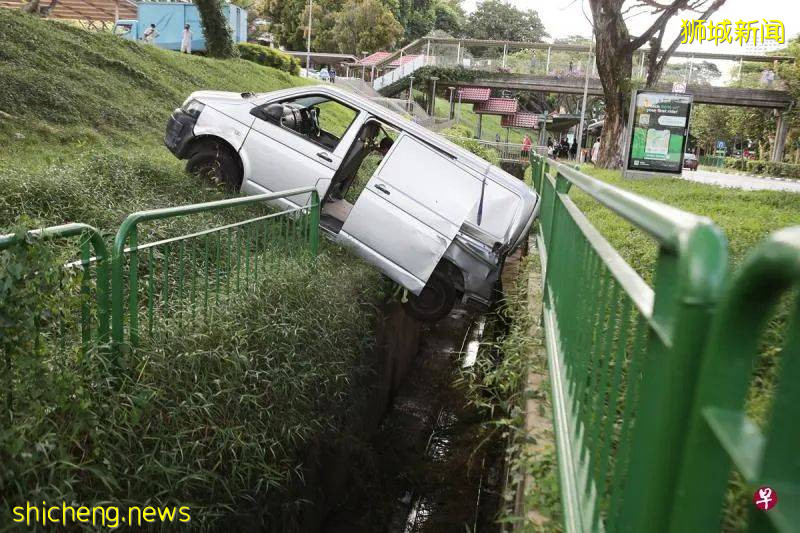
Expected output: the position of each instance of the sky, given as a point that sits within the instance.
(565, 17)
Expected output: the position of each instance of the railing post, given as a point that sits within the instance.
(314, 220)
(547, 66)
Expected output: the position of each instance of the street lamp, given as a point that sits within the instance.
(433, 97)
(308, 43)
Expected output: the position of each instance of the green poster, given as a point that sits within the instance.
(660, 129)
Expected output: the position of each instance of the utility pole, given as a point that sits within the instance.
(308, 43)
(583, 103)
(410, 91)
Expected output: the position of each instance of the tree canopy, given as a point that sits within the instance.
(496, 19)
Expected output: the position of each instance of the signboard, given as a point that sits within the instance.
(721, 145)
(678, 87)
(660, 131)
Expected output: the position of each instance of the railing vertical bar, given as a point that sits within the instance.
(133, 287)
(632, 381)
(86, 315)
(181, 251)
(217, 267)
(193, 263)
(165, 289)
(150, 291)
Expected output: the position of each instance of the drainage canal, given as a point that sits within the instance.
(431, 467)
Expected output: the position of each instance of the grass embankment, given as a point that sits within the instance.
(221, 417)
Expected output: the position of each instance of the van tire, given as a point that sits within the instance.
(434, 302)
(214, 161)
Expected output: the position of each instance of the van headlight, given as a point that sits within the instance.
(193, 108)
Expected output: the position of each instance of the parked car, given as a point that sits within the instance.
(432, 216)
(690, 161)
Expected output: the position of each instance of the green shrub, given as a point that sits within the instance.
(462, 136)
(767, 168)
(269, 57)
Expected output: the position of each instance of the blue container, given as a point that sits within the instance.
(171, 17)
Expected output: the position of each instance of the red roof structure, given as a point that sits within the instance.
(471, 95)
(377, 57)
(520, 120)
(100, 10)
(496, 106)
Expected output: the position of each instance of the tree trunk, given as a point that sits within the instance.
(31, 7)
(219, 41)
(614, 65)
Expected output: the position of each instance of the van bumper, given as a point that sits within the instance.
(180, 132)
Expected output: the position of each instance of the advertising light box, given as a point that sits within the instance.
(660, 131)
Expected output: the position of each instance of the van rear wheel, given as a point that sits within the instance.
(213, 162)
(434, 302)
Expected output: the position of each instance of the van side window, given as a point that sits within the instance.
(320, 119)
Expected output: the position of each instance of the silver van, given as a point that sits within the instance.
(432, 216)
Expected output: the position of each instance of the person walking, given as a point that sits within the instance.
(526, 146)
(150, 34)
(186, 40)
(573, 150)
(332, 74)
(595, 151)
(497, 137)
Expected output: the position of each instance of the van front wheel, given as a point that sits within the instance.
(434, 302)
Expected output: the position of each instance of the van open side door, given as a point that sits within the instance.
(411, 210)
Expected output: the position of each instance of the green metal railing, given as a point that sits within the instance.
(154, 287)
(93, 317)
(171, 280)
(720, 435)
(623, 356)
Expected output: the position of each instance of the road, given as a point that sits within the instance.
(738, 181)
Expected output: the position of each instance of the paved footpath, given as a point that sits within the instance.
(741, 181)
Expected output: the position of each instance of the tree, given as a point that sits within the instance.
(614, 57)
(366, 26)
(219, 41)
(449, 17)
(287, 23)
(496, 19)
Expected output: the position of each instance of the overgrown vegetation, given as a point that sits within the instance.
(498, 385)
(764, 168)
(224, 417)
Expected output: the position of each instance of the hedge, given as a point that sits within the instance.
(269, 57)
(769, 168)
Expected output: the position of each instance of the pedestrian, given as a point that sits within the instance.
(497, 137)
(526, 146)
(595, 151)
(332, 74)
(323, 74)
(186, 40)
(150, 34)
(573, 150)
(570, 65)
(533, 62)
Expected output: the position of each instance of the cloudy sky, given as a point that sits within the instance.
(566, 17)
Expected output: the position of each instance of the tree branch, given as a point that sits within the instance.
(660, 22)
(654, 73)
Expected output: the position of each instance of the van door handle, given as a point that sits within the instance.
(382, 188)
(326, 157)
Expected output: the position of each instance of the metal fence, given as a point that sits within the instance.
(153, 287)
(649, 383)
(622, 355)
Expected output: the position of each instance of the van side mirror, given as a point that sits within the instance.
(271, 113)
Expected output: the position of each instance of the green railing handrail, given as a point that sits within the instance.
(719, 434)
(689, 277)
(100, 253)
(127, 233)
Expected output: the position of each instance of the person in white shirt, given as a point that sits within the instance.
(150, 34)
(186, 41)
(595, 151)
